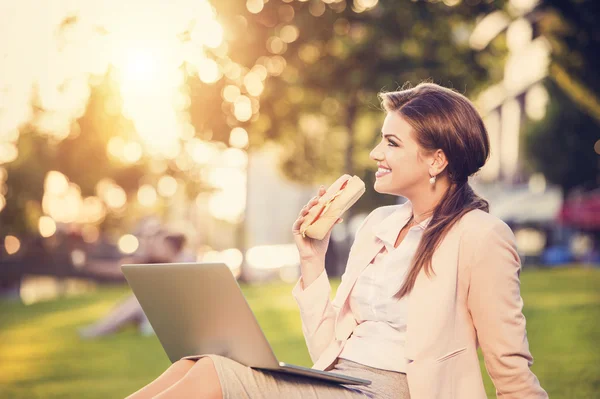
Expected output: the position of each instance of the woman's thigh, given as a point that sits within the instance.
(167, 379)
(239, 381)
(201, 381)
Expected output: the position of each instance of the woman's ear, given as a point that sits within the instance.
(438, 162)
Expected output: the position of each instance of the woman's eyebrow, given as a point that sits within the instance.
(391, 135)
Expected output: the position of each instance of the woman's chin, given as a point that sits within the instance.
(383, 188)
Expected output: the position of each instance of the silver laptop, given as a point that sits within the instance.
(199, 308)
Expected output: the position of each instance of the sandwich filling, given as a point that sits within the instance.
(328, 203)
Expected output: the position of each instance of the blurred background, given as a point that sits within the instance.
(195, 130)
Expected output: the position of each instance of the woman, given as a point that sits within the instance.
(426, 282)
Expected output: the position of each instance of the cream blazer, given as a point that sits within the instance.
(472, 300)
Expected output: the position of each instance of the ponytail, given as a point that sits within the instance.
(456, 202)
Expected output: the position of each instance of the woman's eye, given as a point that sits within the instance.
(392, 144)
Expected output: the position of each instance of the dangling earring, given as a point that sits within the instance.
(432, 180)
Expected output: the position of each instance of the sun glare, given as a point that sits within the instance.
(141, 67)
(140, 41)
(144, 51)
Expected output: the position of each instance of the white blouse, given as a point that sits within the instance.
(379, 338)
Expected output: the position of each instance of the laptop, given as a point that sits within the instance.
(199, 308)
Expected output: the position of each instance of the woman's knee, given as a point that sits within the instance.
(204, 371)
(168, 378)
(182, 366)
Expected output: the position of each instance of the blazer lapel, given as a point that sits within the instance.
(369, 244)
(363, 258)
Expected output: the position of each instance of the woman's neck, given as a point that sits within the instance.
(424, 204)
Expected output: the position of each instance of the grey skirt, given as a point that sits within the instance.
(239, 381)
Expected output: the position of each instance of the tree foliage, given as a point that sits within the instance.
(562, 145)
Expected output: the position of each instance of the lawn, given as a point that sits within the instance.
(41, 355)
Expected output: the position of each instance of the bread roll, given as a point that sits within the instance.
(338, 198)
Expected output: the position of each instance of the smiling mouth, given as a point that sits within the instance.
(382, 172)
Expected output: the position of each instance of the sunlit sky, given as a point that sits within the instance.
(57, 61)
(53, 53)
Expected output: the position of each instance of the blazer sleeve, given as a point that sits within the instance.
(495, 305)
(317, 313)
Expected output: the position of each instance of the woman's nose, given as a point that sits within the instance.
(375, 154)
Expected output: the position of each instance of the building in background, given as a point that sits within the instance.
(520, 95)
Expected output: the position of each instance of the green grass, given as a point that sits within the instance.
(41, 355)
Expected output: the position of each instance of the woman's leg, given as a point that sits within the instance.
(202, 381)
(171, 376)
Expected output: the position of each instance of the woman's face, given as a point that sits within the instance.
(399, 152)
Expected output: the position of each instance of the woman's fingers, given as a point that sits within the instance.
(300, 220)
(306, 208)
(297, 224)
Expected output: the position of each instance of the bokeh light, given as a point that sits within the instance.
(289, 33)
(530, 241)
(46, 226)
(92, 210)
(56, 183)
(238, 137)
(363, 5)
(254, 84)
(115, 147)
(8, 152)
(146, 195)
(90, 233)
(276, 46)
(62, 201)
(316, 8)
(115, 197)
(255, 6)
(12, 244)
(242, 109)
(235, 158)
(536, 102)
(112, 195)
(231, 93)
(78, 258)
(128, 244)
(229, 202)
(232, 257)
(209, 71)
(167, 186)
(132, 152)
(272, 256)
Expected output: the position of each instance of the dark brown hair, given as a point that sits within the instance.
(442, 119)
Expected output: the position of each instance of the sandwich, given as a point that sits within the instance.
(338, 198)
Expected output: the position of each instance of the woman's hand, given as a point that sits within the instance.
(309, 248)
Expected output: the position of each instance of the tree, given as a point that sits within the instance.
(562, 145)
(572, 29)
